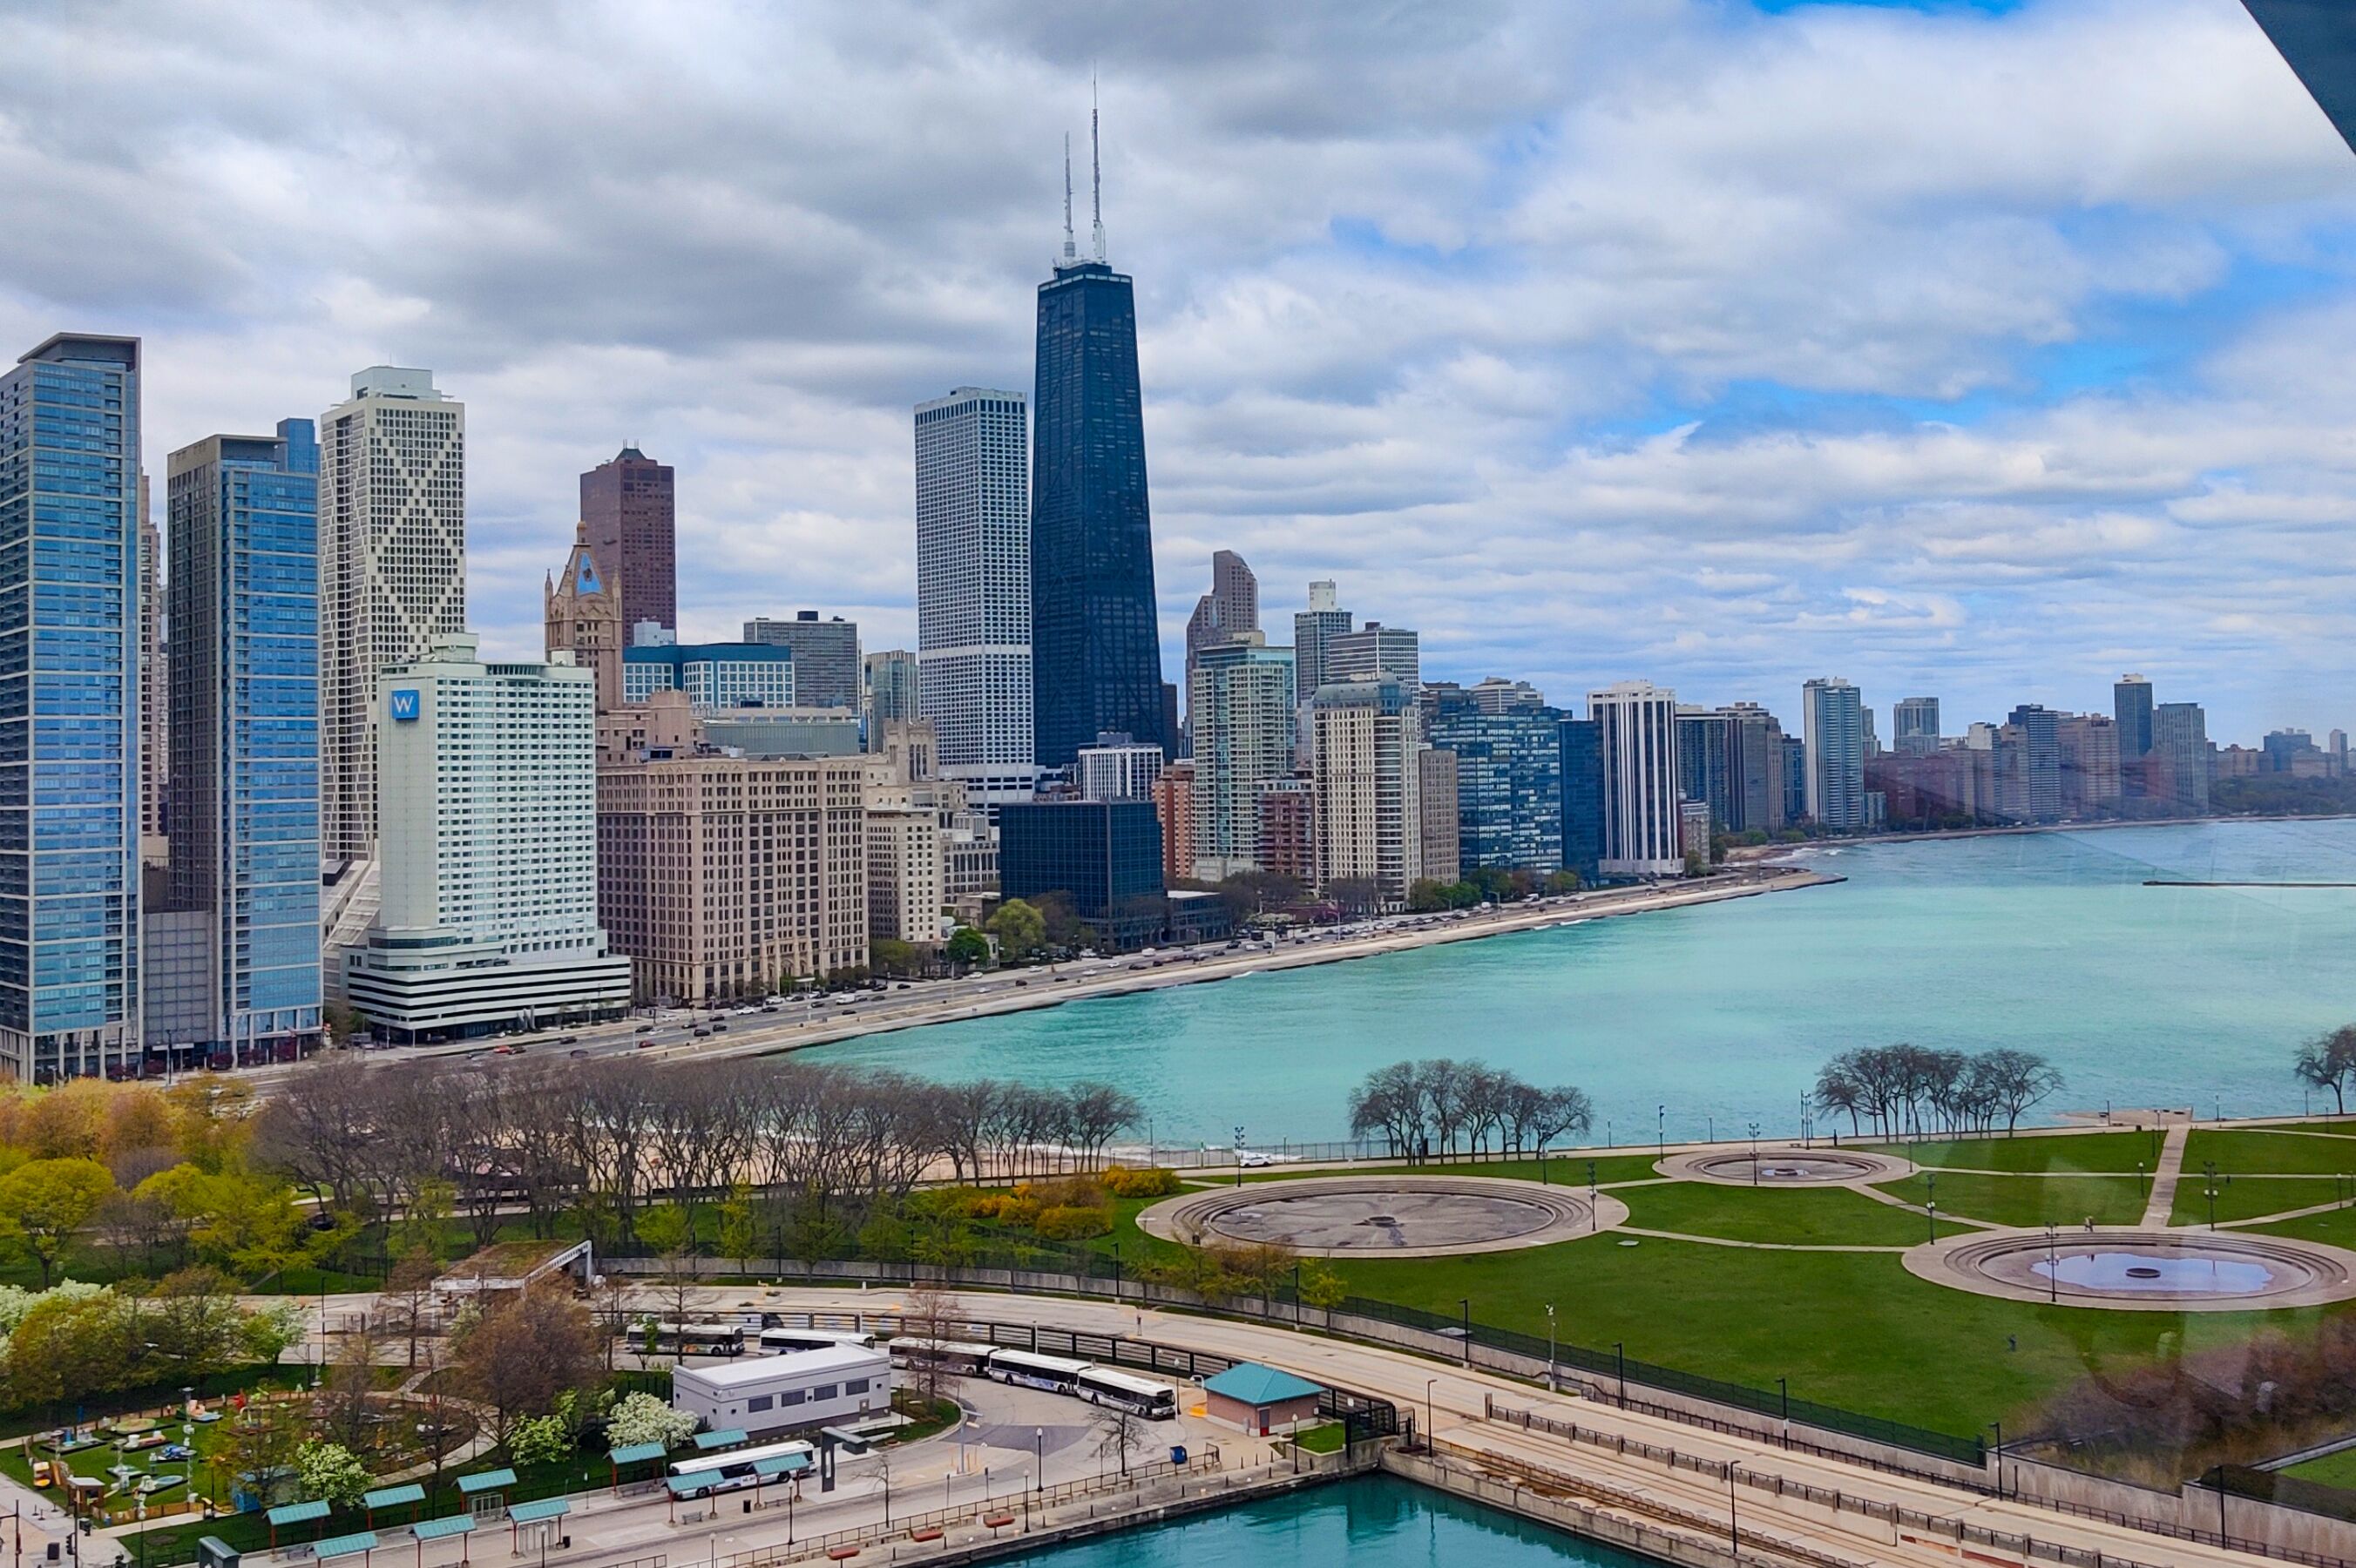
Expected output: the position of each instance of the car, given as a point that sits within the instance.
(643, 1045)
(1021, 982)
(643, 1028)
(701, 1033)
(900, 987)
(719, 1027)
(503, 1051)
(583, 1050)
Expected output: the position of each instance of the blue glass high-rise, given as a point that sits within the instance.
(244, 599)
(1509, 782)
(1096, 646)
(68, 710)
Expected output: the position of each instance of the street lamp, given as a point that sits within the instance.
(1554, 1383)
(1661, 1128)
(1619, 1351)
(2052, 1267)
(1039, 1459)
(1428, 1417)
(1464, 1304)
(1754, 1154)
(1783, 1387)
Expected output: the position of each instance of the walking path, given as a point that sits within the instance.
(2162, 1202)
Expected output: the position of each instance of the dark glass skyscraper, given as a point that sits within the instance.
(1096, 649)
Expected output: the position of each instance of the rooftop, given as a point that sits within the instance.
(1248, 1382)
(755, 1370)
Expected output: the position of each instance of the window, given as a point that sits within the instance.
(793, 1396)
(759, 1402)
(825, 1391)
(856, 1385)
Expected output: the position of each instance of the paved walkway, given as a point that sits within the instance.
(2162, 1202)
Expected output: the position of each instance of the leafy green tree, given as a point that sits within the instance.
(740, 1226)
(1021, 929)
(890, 955)
(421, 1224)
(540, 1440)
(44, 1201)
(968, 947)
(330, 1473)
(667, 1229)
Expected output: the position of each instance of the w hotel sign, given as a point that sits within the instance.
(403, 705)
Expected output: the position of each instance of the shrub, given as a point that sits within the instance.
(1122, 1182)
(1067, 1223)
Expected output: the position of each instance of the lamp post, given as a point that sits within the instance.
(1783, 1388)
(1593, 1221)
(1554, 1383)
(1661, 1128)
(1465, 1305)
(1428, 1417)
(1039, 1459)
(1115, 1270)
(1999, 1459)
(1754, 1154)
(1239, 1154)
(2208, 1186)
(2052, 1267)
(1931, 1211)
(1619, 1351)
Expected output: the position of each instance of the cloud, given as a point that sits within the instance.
(1975, 353)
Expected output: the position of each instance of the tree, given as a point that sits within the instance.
(2013, 1080)
(44, 1201)
(2328, 1061)
(739, 1227)
(540, 1440)
(1021, 929)
(643, 1418)
(890, 955)
(408, 1299)
(966, 947)
(520, 1355)
(330, 1473)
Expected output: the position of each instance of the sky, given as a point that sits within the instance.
(1982, 351)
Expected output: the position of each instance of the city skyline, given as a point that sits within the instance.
(2083, 427)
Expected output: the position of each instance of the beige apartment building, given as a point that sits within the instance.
(1369, 821)
(724, 876)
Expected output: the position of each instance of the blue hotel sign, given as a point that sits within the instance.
(405, 706)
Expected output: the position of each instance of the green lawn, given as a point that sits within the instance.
(2277, 1153)
(2248, 1197)
(1853, 1329)
(2331, 1471)
(2335, 1228)
(1825, 1217)
(1325, 1437)
(2109, 1154)
(1561, 1170)
(2027, 1200)
(2345, 1129)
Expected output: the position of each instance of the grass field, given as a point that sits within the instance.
(1830, 1216)
(2276, 1153)
(2248, 1197)
(2331, 1471)
(2027, 1200)
(2107, 1154)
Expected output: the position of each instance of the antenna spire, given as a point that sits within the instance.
(1071, 251)
(1095, 167)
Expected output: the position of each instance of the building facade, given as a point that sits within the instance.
(1096, 646)
(629, 517)
(1230, 609)
(1754, 762)
(486, 786)
(2180, 741)
(1637, 744)
(1437, 782)
(2088, 746)
(1832, 715)
(1116, 768)
(717, 677)
(154, 689)
(582, 615)
(245, 732)
(1105, 855)
(1173, 805)
(1914, 725)
(392, 572)
(1581, 743)
(1369, 783)
(905, 869)
(1375, 652)
(1288, 829)
(973, 586)
(70, 435)
(826, 669)
(890, 680)
(1241, 712)
(1508, 780)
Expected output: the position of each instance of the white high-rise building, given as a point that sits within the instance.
(1367, 781)
(1838, 735)
(1240, 709)
(973, 588)
(1638, 738)
(486, 808)
(1117, 768)
(392, 572)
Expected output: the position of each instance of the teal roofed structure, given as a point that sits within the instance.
(1248, 1382)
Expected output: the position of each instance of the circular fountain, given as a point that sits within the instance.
(1783, 1165)
(2171, 1271)
(1389, 1216)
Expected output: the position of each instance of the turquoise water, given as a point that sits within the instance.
(1723, 1014)
(1373, 1523)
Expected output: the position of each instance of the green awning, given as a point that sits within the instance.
(442, 1528)
(781, 1464)
(729, 1437)
(344, 1545)
(638, 1452)
(469, 1485)
(532, 1513)
(688, 1485)
(291, 1513)
(393, 1497)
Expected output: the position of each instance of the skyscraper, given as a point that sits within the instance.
(890, 678)
(2180, 739)
(582, 611)
(1834, 719)
(70, 776)
(1095, 646)
(1705, 764)
(1580, 742)
(1312, 630)
(827, 672)
(1369, 817)
(1241, 707)
(2040, 761)
(1508, 780)
(2131, 709)
(1914, 725)
(245, 731)
(1373, 651)
(155, 690)
(392, 572)
(1231, 607)
(973, 588)
(1755, 765)
(629, 508)
(1636, 740)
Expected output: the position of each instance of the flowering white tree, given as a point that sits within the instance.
(642, 1418)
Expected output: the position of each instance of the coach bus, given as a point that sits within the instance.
(1051, 1374)
(775, 1340)
(692, 1338)
(733, 1471)
(1139, 1396)
(949, 1355)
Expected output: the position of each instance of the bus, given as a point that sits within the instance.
(691, 1338)
(773, 1340)
(1051, 1374)
(949, 1355)
(1137, 1396)
(731, 1471)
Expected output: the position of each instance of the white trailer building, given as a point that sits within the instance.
(775, 1393)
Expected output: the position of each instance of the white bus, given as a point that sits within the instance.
(1139, 1396)
(733, 1470)
(949, 1355)
(691, 1338)
(780, 1339)
(1052, 1374)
